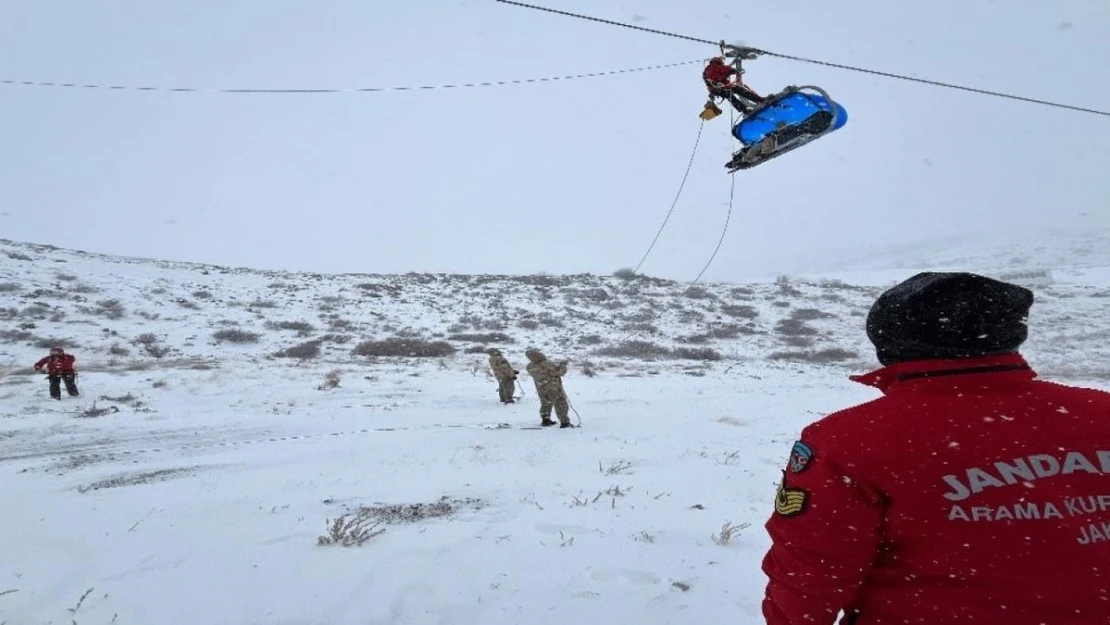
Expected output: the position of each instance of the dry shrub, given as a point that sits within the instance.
(9, 287)
(741, 311)
(808, 314)
(350, 530)
(696, 353)
(331, 380)
(489, 337)
(820, 357)
(232, 335)
(400, 347)
(302, 351)
(591, 339)
(642, 350)
(794, 327)
(302, 327)
(697, 292)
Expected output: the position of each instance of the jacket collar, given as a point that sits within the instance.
(925, 371)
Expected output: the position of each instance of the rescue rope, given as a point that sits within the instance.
(592, 315)
(495, 83)
(716, 250)
(677, 195)
(874, 72)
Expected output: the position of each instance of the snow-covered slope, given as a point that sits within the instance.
(982, 252)
(191, 481)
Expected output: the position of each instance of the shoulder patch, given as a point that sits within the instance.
(790, 501)
(800, 455)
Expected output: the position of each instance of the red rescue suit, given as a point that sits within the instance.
(969, 493)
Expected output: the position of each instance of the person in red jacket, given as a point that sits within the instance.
(59, 368)
(718, 78)
(970, 492)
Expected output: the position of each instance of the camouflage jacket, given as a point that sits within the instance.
(501, 367)
(547, 375)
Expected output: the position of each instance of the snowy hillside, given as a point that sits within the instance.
(982, 252)
(229, 416)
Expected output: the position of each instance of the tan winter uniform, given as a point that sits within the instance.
(505, 374)
(548, 377)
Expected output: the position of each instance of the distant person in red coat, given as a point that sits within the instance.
(59, 368)
(969, 493)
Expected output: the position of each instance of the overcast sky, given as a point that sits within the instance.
(566, 176)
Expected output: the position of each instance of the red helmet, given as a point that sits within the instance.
(57, 350)
(717, 60)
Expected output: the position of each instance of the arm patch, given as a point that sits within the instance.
(790, 501)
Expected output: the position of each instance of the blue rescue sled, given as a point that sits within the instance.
(784, 122)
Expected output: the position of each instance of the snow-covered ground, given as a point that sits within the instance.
(191, 481)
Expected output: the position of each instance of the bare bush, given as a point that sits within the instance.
(798, 341)
(338, 339)
(16, 336)
(340, 325)
(626, 273)
(591, 339)
(694, 339)
(728, 530)
(550, 321)
(303, 328)
(9, 287)
(151, 345)
(302, 351)
(203, 294)
(642, 350)
(399, 347)
(697, 292)
(108, 308)
(331, 380)
(233, 335)
(640, 328)
(741, 311)
(118, 350)
(350, 530)
(263, 303)
(529, 324)
(19, 256)
(794, 327)
(50, 342)
(809, 314)
(728, 331)
(820, 357)
(490, 337)
(696, 353)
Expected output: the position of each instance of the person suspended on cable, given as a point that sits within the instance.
(719, 79)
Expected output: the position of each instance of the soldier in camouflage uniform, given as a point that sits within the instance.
(548, 377)
(505, 374)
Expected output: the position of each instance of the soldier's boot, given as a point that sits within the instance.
(565, 424)
(547, 422)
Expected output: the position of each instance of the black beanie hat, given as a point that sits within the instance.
(948, 315)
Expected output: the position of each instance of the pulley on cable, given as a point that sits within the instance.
(772, 125)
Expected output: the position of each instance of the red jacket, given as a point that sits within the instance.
(717, 73)
(969, 493)
(57, 365)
